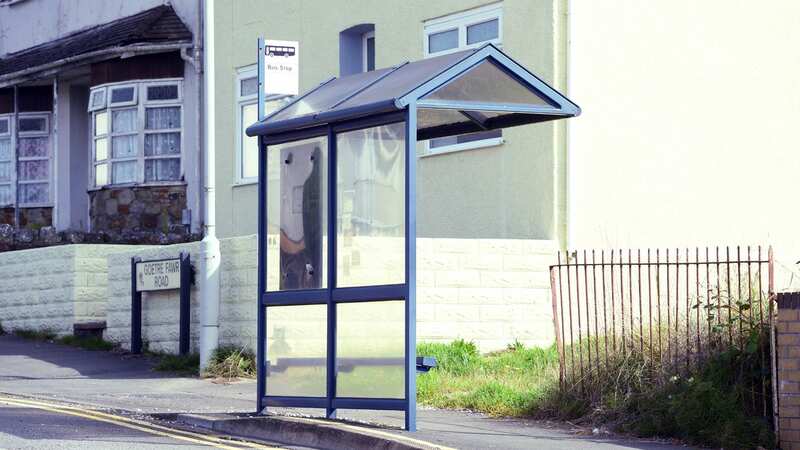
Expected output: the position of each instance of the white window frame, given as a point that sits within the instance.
(242, 74)
(460, 21)
(94, 92)
(140, 104)
(364, 37)
(115, 87)
(49, 158)
(11, 183)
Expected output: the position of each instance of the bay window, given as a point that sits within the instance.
(25, 159)
(137, 132)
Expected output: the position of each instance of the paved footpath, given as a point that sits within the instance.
(127, 384)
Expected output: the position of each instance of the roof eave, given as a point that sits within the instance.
(44, 70)
(327, 117)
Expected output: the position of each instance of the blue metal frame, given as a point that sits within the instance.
(330, 123)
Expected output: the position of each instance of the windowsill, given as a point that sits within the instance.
(137, 185)
(474, 145)
(245, 182)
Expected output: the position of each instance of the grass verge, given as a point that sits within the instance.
(90, 343)
(186, 365)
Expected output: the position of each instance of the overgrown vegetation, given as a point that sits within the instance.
(231, 362)
(187, 365)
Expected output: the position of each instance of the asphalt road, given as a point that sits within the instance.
(33, 428)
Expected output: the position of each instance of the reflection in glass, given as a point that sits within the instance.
(370, 339)
(296, 350)
(483, 31)
(371, 206)
(296, 215)
(445, 40)
(487, 83)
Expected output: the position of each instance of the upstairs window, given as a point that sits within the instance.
(456, 32)
(357, 49)
(137, 134)
(368, 51)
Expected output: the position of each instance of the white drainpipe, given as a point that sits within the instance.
(210, 257)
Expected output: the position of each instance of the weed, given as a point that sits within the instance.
(180, 364)
(231, 362)
(35, 335)
(91, 343)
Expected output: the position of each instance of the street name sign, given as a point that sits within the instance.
(158, 275)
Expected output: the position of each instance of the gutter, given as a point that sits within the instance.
(85, 58)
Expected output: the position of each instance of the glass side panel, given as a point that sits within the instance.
(487, 83)
(370, 349)
(100, 123)
(297, 221)
(101, 174)
(101, 149)
(370, 212)
(297, 350)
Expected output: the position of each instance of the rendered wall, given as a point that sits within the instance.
(53, 288)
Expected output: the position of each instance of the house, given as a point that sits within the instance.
(100, 119)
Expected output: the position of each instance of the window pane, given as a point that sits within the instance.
(123, 120)
(484, 31)
(123, 146)
(162, 144)
(370, 349)
(248, 86)
(122, 95)
(98, 99)
(6, 197)
(371, 206)
(34, 170)
(249, 143)
(5, 149)
(296, 214)
(100, 149)
(297, 350)
(162, 169)
(370, 54)
(487, 83)
(445, 40)
(162, 92)
(123, 172)
(4, 126)
(6, 171)
(100, 123)
(32, 124)
(33, 147)
(162, 118)
(101, 174)
(34, 193)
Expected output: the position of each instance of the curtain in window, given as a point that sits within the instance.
(5, 149)
(162, 144)
(162, 118)
(162, 169)
(5, 171)
(34, 193)
(34, 170)
(123, 172)
(123, 120)
(123, 146)
(5, 195)
(33, 147)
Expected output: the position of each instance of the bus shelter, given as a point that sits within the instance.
(337, 221)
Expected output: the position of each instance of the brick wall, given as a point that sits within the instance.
(789, 370)
(53, 288)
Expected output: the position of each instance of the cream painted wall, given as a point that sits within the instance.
(689, 128)
(509, 191)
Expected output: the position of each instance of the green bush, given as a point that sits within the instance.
(179, 364)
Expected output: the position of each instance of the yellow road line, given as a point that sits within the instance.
(138, 425)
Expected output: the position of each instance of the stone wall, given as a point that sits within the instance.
(32, 218)
(148, 209)
(54, 288)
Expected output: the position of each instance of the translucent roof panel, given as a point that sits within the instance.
(487, 83)
(485, 88)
